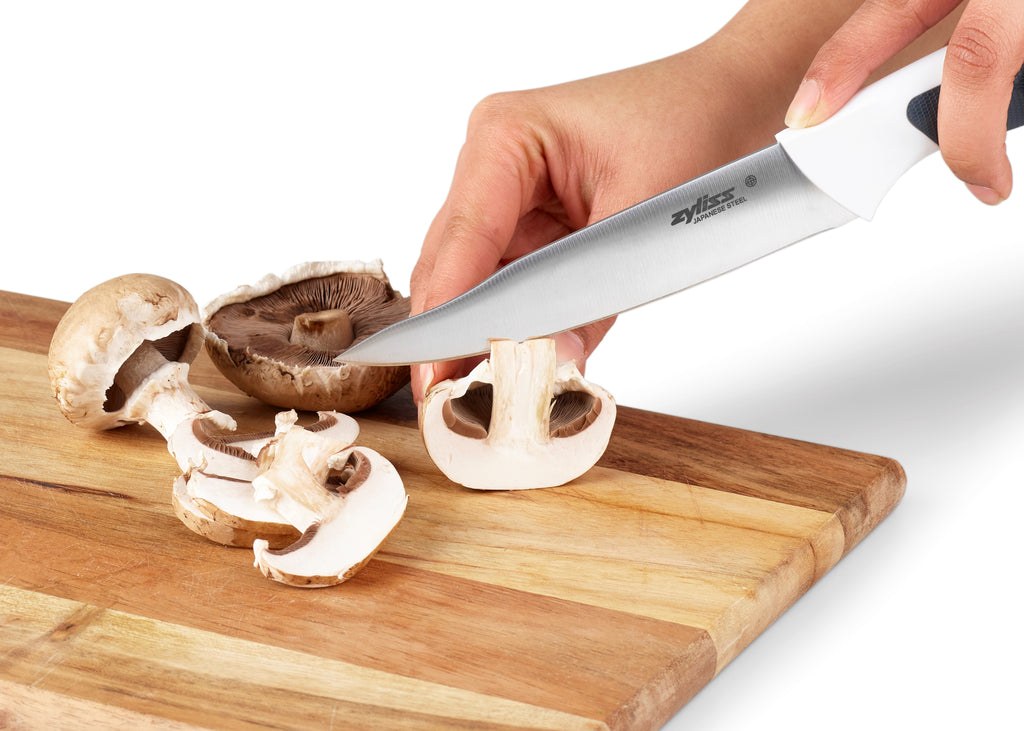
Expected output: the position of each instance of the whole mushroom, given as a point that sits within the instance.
(518, 420)
(121, 355)
(277, 340)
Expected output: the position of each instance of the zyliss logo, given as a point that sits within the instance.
(703, 205)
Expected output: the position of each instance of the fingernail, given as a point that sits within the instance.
(569, 347)
(985, 195)
(804, 104)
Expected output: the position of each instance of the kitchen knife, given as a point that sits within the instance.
(809, 181)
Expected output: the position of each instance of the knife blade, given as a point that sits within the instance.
(808, 182)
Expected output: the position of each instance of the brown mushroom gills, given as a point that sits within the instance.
(470, 415)
(266, 324)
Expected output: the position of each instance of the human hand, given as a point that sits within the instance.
(539, 164)
(985, 52)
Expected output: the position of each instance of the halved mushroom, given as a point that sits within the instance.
(345, 500)
(277, 340)
(518, 420)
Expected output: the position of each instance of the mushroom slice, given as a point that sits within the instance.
(277, 340)
(518, 420)
(227, 528)
(345, 501)
(215, 497)
(202, 444)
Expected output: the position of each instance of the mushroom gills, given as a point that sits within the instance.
(470, 415)
(519, 420)
(309, 322)
(278, 339)
(215, 496)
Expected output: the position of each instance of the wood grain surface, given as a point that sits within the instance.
(605, 603)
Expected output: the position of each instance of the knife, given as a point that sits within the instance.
(809, 181)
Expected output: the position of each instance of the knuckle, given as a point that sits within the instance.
(459, 227)
(970, 162)
(500, 112)
(468, 234)
(976, 50)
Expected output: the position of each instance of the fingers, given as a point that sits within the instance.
(872, 35)
(498, 178)
(577, 345)
(985, 53)
(573, 345)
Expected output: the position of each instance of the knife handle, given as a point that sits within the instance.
(858, 154)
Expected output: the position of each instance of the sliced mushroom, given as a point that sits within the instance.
(277, 340)
(121, 355)
(345, 500)
(216, 499)
(518, 420)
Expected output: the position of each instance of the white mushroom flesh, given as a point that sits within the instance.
(343, 524)
(519, 420)
(215, 496)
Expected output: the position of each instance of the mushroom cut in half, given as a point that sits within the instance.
(518, 420)
(277, 340)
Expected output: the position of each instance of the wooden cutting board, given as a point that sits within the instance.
(606, 603)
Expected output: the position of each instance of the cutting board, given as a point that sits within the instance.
(606, 603)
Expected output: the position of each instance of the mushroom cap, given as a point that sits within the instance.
(105, 326)
(249, 334)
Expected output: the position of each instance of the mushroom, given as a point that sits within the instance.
(518, 420)
(345, 500)
(216, 500)
(277, 340)
(121, 355)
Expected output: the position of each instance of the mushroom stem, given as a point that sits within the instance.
(294, 469)
(524, 375)
(167, 399)
(329, 330)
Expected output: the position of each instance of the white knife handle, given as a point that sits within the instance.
(857, 155)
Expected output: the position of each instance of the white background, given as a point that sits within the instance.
(215, 142)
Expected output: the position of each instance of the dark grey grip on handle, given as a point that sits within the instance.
(923, 110)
